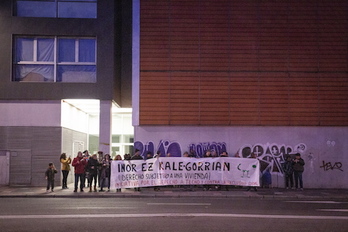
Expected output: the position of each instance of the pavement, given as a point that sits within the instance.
(179, 192)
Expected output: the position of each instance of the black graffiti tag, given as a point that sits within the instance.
(328, 166)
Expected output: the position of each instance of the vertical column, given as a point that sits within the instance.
(105, 126)
(136, 62)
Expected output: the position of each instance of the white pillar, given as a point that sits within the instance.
(105, 126)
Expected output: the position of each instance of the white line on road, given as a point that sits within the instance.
(84, 216)
(333, 210)
(316, 202)
(101, 207)
(181, 204)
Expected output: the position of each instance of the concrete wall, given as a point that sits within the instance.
(323, 148)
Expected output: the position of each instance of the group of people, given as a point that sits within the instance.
(293, 168)
(96, 170)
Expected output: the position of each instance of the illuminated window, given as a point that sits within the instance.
(56, 8)
(55, 59)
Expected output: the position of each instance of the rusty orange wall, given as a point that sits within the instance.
(222, 62)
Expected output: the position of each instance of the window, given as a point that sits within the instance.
(57, 8)
(55, 59)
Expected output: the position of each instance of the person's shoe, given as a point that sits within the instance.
(52, 191)
(75, 191)
(81, 190)
(101, 190)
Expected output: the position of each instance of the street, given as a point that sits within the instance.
(171, 214)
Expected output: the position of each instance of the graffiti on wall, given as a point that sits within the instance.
(200, 148)
(164, 147)
(329, 166)
(271, 155)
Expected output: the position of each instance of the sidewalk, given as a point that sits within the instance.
(266, 193)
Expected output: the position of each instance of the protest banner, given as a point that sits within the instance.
(185, 171)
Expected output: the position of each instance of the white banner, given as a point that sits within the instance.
(185, 171)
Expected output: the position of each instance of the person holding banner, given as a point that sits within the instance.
(105, 173)
(137, 156)
(118, 158)
(252, 156)
(207, 154)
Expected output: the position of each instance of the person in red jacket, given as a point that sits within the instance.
(79, 163)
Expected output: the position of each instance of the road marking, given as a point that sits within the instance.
(72, 207)
(84, 216)
(334, 210)
(316, 202)
(181, 204)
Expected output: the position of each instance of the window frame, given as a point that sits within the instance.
(56, 10)
(55, 63)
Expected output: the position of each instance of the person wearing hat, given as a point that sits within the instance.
(298, 166)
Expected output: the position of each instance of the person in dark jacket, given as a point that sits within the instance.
(49, 175)
(79, 164)
(298, 166)
(105, 172)
(137, 156)
(92, 169)
(288, 172)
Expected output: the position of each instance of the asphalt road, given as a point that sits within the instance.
(171, 214)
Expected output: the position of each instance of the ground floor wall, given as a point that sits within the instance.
(324, 149)
(30, 150)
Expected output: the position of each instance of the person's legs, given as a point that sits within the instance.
(76, 182)
(52, 185)
(65, 177)
(296, 179)
(81, 176)
(291, 181)
(300, 179)
(287, 180)
(48, 185)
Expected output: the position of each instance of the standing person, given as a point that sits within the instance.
(223, 154)
(298, 166)
(100, 159)
(253, 156)
(65, 166)
(79, 163)
(207, 154)
(288, 172)
(92, 169)
(137, 156)
(105, 172)
(118, 158)
(85, 174)
(49, 175)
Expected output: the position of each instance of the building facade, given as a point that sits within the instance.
(239, 76)
(52, 51)
(245, 76)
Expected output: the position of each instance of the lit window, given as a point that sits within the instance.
(55, 59)
(57, 8)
